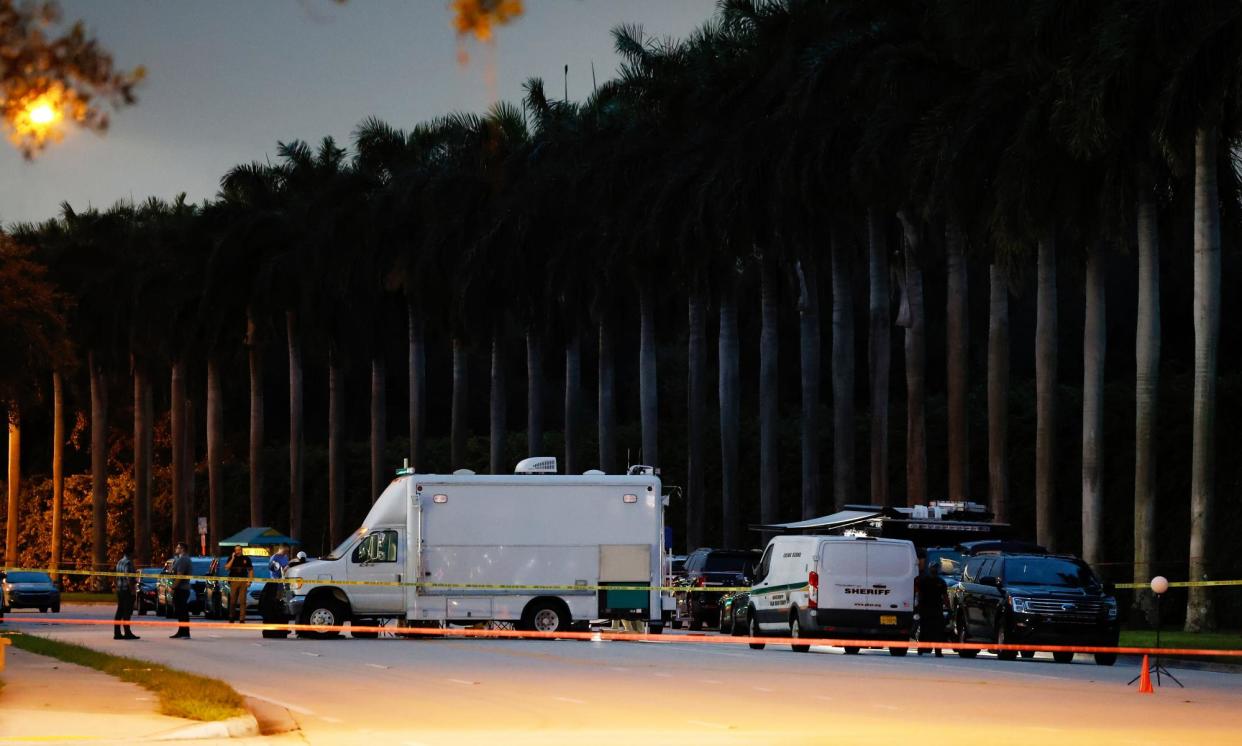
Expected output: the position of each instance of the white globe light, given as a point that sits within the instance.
(1159, 585)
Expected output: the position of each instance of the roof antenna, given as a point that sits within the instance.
(566, 83)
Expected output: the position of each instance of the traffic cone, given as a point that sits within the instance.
(1145, 679)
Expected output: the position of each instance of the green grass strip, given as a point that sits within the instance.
(87, 597)
(183, 695)
(1176, 638)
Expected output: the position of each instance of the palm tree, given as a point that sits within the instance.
(879, 353)
(769, 412)
(58, 466)
(998, 392)
(957, 342)
(499, 404)
(730, 414)
(1093, 347)
(912, 318)
(809, 345)
(843, 481)
(1146, 386)
(14, 483)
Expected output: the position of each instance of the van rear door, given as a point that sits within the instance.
(891, 567)
(842, 567)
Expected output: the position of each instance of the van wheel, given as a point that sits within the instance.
(545, 616)
(1005, 655)
(755, 631)
(1063, 656)
(327, 612)
(1105, 659)
(795, 631)
(852, 650)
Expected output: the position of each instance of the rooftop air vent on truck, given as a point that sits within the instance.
(536, 465)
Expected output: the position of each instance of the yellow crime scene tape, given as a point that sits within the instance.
(298, 582)
(495, 587)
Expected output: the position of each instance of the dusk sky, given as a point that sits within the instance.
(227, 79)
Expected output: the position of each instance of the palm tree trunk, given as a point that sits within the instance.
(606, 394)
(879, 353)
(176, 416)
(730, 417)
(648, 394)
(1093, 349)
(696, 406)
(187, 488)
(998, 393)
(534, 393)
(255, 355)
(215, 452)
(297, 431)
(808, 345)
(915, 346)
(499, 406)
(573, 400)
(14, 485)
(379, 425)
(842, 376)
(58, 467)
(769, 402)
(336, 444)
(1146, 388)
(1199, 606)
(957, 342)
(418, 386)
(99, 471)
(460, 405)
(1046, 392)
(142, 467)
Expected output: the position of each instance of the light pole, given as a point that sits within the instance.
(1159, 586)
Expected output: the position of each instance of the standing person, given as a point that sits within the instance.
(269, 599)
(125, 588)
(278, 562)
(182, 567)
(241, 573)
(932, 598)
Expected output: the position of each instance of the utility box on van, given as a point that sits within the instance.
(536, 549)
(843, 587)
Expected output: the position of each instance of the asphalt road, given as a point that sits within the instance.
(464, 691)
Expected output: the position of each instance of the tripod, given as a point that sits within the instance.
(1155, 667)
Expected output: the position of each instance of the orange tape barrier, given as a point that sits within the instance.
(635, 637)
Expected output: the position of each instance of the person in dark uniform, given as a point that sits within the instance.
(931, 599)
(181, 590)
(125, 589)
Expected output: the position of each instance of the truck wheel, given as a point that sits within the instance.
(795, 632)
(755, 631)
(1005, 655)
(852, 650)
(363, 634)
(545, 616)
(327, 612)
(898, 652)
(1105, 659)
(1063, 656)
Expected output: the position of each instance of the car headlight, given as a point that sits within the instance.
(1018, 603)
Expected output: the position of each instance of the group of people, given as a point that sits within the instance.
(240, 571)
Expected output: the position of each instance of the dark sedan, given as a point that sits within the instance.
(30, 590)
(148, 590)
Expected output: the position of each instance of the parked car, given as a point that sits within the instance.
(1034, 599)
(164, 597)
(733, 619)
(148, 590)
(710, 568)
(29, 590)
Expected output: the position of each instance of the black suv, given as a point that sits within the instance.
(1034, 599)
(710, 568)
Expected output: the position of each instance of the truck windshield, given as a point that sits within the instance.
(1050, 571)
(341, 548)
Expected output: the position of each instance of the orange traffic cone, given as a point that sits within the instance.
(1145, 679)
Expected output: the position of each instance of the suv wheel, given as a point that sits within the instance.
(726, 622)
(795, 632)
(1063, 656)
(1105, 659)
(961, 637)
(755, 631)
(1005, 655)
(737, 629)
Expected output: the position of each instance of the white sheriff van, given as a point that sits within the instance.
(843, 587)
(533, 548)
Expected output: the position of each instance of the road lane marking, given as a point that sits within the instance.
(664, 675)
(376, 665)
(571, 700)
(463, 681)
(618, 668)
(313, 655)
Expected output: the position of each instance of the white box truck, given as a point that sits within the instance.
(847, 587)
(534, 548)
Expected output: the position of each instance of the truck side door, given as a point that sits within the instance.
(377, 558)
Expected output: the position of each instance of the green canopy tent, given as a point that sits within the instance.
(258, 536)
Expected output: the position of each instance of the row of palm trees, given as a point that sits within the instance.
(775, 140)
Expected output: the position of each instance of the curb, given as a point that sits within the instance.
(242, 726)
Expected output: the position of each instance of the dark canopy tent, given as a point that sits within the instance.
(924, 528)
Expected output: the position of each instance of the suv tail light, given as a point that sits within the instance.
(700, 582)
(812, 580)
